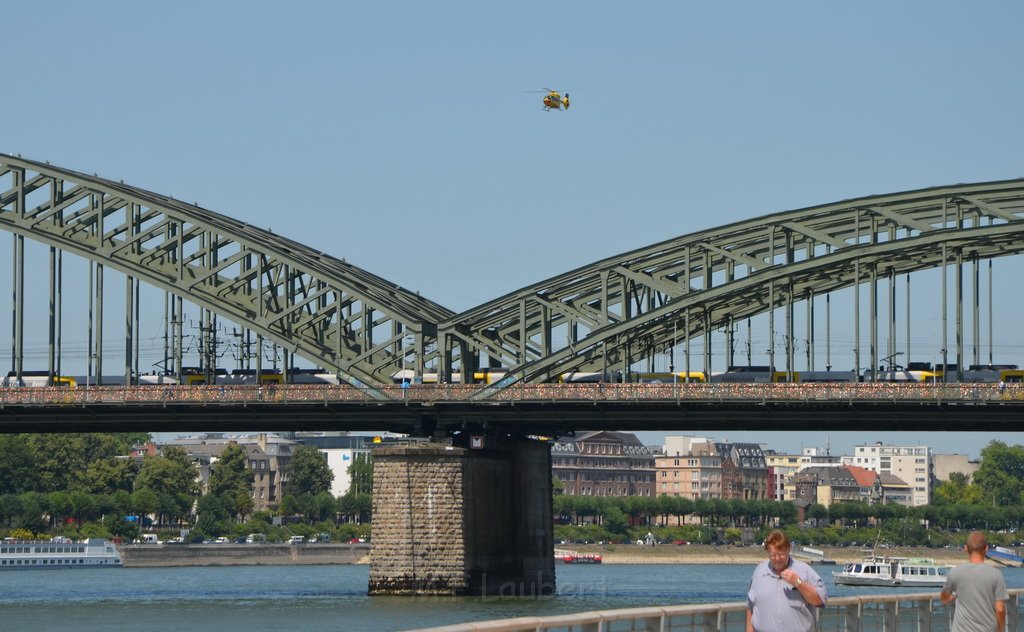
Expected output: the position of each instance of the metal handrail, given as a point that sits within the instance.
(878, 613)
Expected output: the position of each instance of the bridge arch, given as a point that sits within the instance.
(609, 314)
(620, 310)
(337, 315)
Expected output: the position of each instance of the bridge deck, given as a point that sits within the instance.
(545, 409)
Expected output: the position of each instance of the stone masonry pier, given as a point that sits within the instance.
(451, 520)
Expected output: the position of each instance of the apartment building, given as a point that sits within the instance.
(909, 463)
(603, 464)
(694, 474)
(744, 471)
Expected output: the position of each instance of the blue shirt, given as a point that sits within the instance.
(776, 605)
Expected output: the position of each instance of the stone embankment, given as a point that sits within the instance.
(150, 555)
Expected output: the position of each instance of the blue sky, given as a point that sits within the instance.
(404, 137)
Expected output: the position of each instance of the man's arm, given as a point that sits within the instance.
(946, 596)
(1000, 615)
(750, 624)
(809, 593)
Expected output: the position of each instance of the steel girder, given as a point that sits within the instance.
(609, 314)
(320, 307)
(622, 309)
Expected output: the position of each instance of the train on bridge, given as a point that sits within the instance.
(924, 373)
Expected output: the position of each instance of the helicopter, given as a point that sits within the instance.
(555, 101)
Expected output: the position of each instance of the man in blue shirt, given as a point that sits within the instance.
(783, 591)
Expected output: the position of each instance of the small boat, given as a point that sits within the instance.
(893, 571)
(1005, 556)
(57, 553)
(581, 558)
(812, 556)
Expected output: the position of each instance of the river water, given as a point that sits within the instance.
(257, 598)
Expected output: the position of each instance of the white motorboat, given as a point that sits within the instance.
(893, 571)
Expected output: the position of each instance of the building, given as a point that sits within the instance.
(697, 473)
(824, 486)
(744, 471)
(267, 456)
(945, 464)
(781, 467)
(911, 464)
(603, 464)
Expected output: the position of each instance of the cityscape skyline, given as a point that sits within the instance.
(406, 139)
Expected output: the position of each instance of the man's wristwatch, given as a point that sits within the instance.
(798, 582)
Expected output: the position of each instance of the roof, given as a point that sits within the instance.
(863, 476)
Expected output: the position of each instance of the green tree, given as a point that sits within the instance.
(232, 479)
(171, 477)
(108, 475)
(958, 490)
(18, 467)
(61, 458)
(308, 472)
(615, 521)
(361, 474)
(171, 473)
(1001, 474)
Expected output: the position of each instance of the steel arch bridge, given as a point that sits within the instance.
(605, 316)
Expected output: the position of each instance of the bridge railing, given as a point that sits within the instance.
(598, 392)
(882, 613)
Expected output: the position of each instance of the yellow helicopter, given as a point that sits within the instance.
(555, 101)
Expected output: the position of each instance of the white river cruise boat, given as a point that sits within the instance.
(893, 571)
(58, 553)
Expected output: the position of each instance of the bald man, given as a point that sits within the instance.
(979, 591)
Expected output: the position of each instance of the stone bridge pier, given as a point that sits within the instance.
(454, 520)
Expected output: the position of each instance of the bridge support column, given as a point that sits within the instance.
(463, 520)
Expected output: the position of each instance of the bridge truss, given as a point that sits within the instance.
(622, 310)
(607, 316)
(319, 307)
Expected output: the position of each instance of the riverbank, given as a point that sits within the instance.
(150, 555)
(725, 554)
(155, 555)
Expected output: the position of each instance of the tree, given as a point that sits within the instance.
(308, 472)
(1001, 474)
(361, 474)
(171, 473)
(171, 477)
(61, 458)
(615, 521)
(18, 468)
(958, 490)
(231, 477)
(108, 475)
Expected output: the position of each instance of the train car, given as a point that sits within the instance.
(247, 377)
(747, 375)
(818, 377)
(994, 374)
(155, 379)
(195, 376)
(312, 376)
(489, 375)
(480, 376)
(37, 379)
(588, 377)
(677, 377)
(920, 372)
